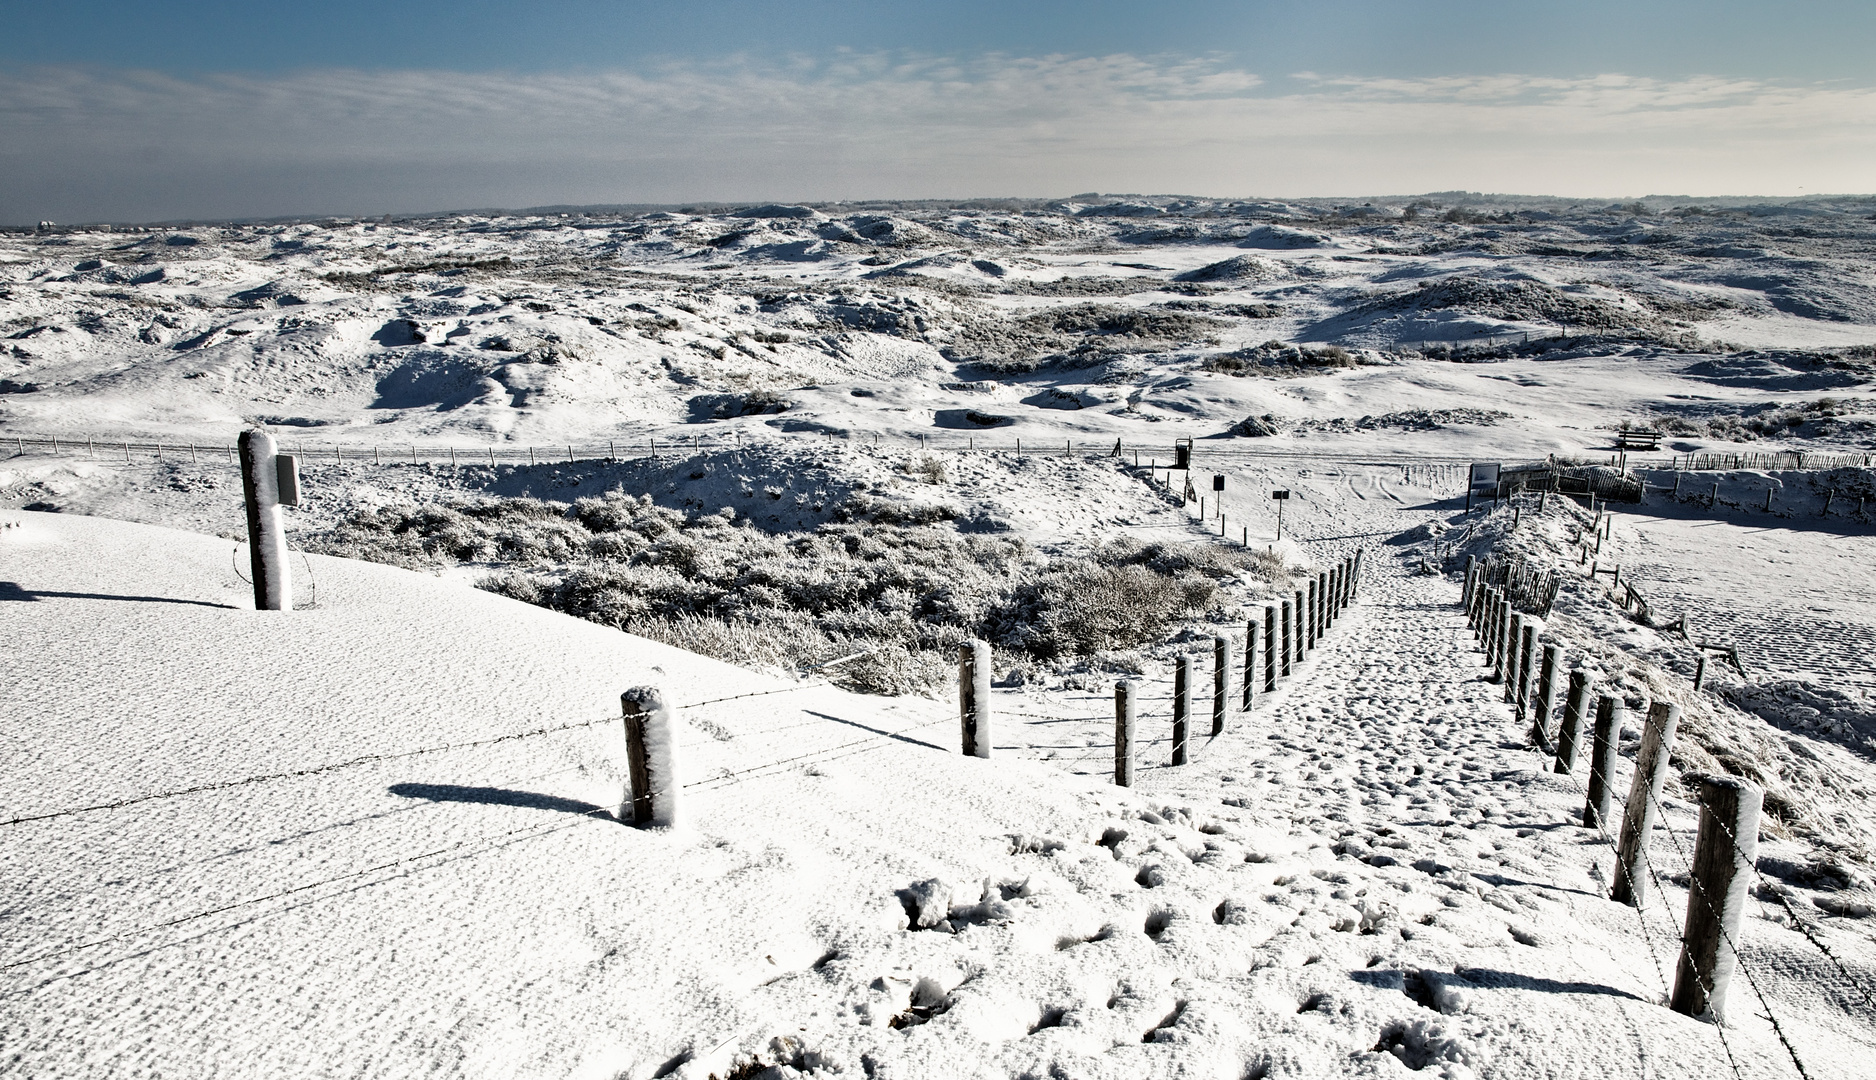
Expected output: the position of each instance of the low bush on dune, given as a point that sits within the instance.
(903, 595)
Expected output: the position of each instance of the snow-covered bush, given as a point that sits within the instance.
(902, 588)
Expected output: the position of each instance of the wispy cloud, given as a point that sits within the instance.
(78, 143)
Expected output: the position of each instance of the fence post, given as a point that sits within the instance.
(653, 785)
(267, 537)
(1700, 672)
(1270, 648)
(974, 697)
(1309, 615)
(1527, 660)
(1465, 591)
(1638, 817)
(1126, 714)
(1570, 732)
(1297, 632)
(1724, 855)
(1358, 554)
(1493, 635)
(1288, 651)
(1546, 696)
(1602, 755)
(1183, 678)
(1250, 664)
(1512, 636)
(1221, 681)
(1322, 604)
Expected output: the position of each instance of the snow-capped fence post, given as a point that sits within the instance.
(1724, 855)
(1602, 753)
(1570, 731)
(1221, 681)
(262, 469)
(653, 787)
(1287, 651)
(1250, 664)
(1270, 648)
(1638, 816)
(1183, 678)
(974, 697)
(1545, 698)
(1126, 715)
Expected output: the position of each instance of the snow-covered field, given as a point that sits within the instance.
(1372, 872)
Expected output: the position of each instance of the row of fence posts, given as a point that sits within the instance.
(1726, 848)
(1288, 630)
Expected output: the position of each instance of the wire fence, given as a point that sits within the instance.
(1697, 894)
(1427, 469)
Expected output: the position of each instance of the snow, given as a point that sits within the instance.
(378, 835)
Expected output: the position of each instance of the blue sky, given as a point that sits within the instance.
(140, 111)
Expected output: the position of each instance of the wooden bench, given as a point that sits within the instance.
(1635, 439)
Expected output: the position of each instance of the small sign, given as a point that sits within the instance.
(1484, 475)
(1218, 481)
(287, 477)
(1284, 494)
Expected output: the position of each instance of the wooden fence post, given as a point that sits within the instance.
(1288, 652)
(1270, 648)
(1545, 696)
(1700, 672)
(261, 469)
(1512, 642)
(974, 697)
(1322, 604)
(1527, 660)
(1221, 681)
(653, 786)
(1604, 742)
(1183, 678)
(1570, 732)
(1465, 591)
(1251, 675)
(1724, 855)
(1126, 715)
(1358, 554)
(1309, 615)
(1638, 816)
(1297, 634)
(1493, 634)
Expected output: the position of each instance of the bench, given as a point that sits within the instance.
(1635, 439)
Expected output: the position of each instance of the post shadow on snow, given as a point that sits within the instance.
(12, 590)
(491, 796)
(876, 731)
(1493, 979)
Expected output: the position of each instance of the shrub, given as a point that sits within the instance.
(900, 589)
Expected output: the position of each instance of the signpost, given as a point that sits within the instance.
(1281, 496)
(1484, 474)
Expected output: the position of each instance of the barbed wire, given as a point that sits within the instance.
(313, 770)
(490, 839)
(1694, 888)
